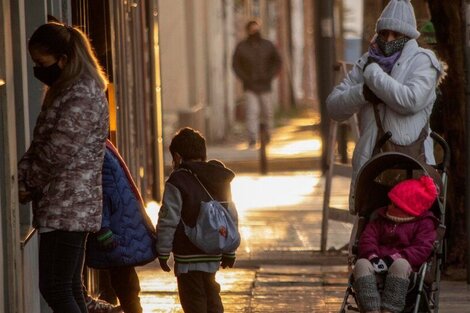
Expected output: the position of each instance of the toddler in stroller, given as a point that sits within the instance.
(398, 241)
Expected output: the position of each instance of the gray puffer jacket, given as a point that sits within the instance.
(62, 167)
(408, 94)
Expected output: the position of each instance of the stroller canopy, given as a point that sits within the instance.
(381, 173)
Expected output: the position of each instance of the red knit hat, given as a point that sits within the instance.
(414, 196)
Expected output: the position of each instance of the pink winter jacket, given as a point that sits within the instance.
(413, 240)
(62, 167)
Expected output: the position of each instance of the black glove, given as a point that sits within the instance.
(227, 261)
(369, 95)
(369, 61)
(164, 264)
(388, 260)
(105, 238)
(379, 265)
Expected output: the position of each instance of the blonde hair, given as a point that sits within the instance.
(58, 39)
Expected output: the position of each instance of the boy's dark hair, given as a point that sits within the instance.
(189, 144)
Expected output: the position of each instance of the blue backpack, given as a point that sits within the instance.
(215, 231)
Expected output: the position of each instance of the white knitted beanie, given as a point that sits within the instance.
(398, 16)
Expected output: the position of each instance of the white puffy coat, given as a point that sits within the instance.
(408, 94)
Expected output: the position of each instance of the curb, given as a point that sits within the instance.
(292, 258)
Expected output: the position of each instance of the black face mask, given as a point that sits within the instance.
(49, 74)
(391, 47)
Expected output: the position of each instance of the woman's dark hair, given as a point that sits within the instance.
(61, 40)
(52, 38)
(189, 144)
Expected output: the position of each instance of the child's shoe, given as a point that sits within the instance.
(100, 306)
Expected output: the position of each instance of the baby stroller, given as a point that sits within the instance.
(373, 183)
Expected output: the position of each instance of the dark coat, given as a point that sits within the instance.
(256, 62)
(123, 213)
(413, 240)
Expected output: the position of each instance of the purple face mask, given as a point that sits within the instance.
(385, 62)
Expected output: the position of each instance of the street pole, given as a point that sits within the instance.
(325, 43)
(467, 122)
(326, 58)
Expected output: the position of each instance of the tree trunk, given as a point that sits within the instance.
(449, 24)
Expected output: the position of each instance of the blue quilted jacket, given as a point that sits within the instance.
(124, 214)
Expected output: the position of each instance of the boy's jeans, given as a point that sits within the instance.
(61, 257)
(199, 292)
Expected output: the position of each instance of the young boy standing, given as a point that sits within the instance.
(184, 190)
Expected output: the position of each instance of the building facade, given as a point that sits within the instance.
(125, 37)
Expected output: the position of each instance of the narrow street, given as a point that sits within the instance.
(279, 265)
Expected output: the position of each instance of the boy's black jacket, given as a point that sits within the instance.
(216, 178)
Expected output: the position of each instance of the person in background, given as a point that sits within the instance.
(256, 62)
(61, 170)
(195, 270)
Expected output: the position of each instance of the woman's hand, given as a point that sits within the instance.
(370, 96)
(24, 196)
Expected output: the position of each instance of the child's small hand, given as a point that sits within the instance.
(106, 239)
(379, 265)
(164, 265)
(24, 196)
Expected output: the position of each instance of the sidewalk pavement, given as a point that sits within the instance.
(279, 267)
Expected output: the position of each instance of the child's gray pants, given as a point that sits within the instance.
(395, 289)
(400, 268)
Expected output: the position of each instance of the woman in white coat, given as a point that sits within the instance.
(397, 76)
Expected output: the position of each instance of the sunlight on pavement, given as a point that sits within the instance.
(283, 211)
(254, 192)
(161, 304)
(152, 209)
(159, 289)
(281, 190)
(307, 147)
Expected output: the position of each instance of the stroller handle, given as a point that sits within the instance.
(436, 137)
(445, 147)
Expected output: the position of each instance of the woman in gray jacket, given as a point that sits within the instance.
(395, 75)
(61, 170)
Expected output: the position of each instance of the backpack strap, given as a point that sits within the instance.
(200, 183)
(207, 191)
